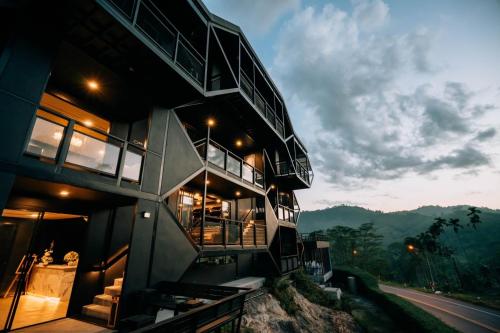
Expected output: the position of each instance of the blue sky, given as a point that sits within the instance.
(398, 102)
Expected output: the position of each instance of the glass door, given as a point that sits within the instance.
(16, 236)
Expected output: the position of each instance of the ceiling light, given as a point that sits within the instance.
(64, 193)
(208, 182)
(239, 143)
(93, 85)
(88, 123)
(211, 122)
(218, 200)
(238, 193)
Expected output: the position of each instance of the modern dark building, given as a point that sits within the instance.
(316, 257)
(147, 158)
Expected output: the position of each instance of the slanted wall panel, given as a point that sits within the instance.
(181, 158)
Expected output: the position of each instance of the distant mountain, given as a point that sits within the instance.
(395, 226)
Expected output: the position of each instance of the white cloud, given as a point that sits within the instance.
(348, 70)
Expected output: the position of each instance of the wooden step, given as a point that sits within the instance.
(113, 290)
(118, 282)
(103, 299)
(96, 311)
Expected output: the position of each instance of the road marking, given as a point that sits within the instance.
(451, 313)
(442, 299)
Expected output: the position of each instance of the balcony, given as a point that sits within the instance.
(264, 108)
(150, 22)
(193, 308)
(287, 214)
(228, 162)
(226, 232)
(284, 168)
(58, 139)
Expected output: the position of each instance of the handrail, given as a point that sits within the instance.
(222, 234)
(227, 152)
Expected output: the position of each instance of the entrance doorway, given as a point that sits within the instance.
(39, 254)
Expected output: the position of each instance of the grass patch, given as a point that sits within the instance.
(406, 315)
(280, 288)
(311, 291)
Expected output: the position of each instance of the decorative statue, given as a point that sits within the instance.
(71, 258)
(47, 255)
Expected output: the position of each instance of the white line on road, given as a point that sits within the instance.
(442, 299)
(475, 322)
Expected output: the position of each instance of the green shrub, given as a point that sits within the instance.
(405, 314)
(280, 288)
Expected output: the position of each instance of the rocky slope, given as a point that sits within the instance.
(265, 315)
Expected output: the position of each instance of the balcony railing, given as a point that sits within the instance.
(220, 305)
(289, 263)
(221, 231)
(314, 236)
(286, 214)
(261, 104)
(152, 23)
(57, 138)
(283, 168)
(233, 165)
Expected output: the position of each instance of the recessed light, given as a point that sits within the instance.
(88, 123)
(93, 85)
(218, 200)
(211, 122)
(239, 143)
(64, 193)
(238, 193)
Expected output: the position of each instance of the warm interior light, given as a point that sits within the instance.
(77, 142)
(210, 122)
(218, 200)
(34, 215)
(88, 123)
(93, 85)
(64, 193)
(239, 143)
(208, 182)
(238, 193)
(57, 135)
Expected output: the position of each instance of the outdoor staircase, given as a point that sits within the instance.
(101, 308)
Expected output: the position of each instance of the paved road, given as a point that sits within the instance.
(465, 317)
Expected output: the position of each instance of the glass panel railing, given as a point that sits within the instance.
(46, 138)
(132, 166)
(260, 103)
(92, 153)
(190, 63)
(271, 116)
(216, 156)
(155, 29)
(280, 128)
(259, 179)
(233, 166)
(126, 6)
(233, 232)
(247, 173)
(212, 233)
(246, 85)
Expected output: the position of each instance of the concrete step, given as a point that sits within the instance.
(113, 290)
(118, 282)
(103, 299)
(96, 311)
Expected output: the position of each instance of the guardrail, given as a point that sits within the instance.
(283, 168)
(152, 23)
(221, 231)
(65, 141)
(232, 164)
(313, 236)
(285, 213)
(289, 263)
(261, 104)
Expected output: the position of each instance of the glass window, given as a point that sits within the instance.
(45, 138)
(132, 167)
(248, 173)
(92, 153)
(216, 156)
(233, 166)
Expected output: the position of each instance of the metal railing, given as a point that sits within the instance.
(153, 23)
(261, 104)
(71, 143)
(289, 263)
(227, 304)
(222, 231)
(232, 164)
(283, 168)
(286, 214)
(314, 236)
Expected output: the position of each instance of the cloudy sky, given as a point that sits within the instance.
(398, 102)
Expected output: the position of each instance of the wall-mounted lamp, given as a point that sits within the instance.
(146, 215)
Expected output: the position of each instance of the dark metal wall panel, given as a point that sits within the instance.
(210, 274)
(157, 130)
(173, 252)
(6, 183)
(122, 228)
(151, 178)
(181, 159)
(15, 120)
